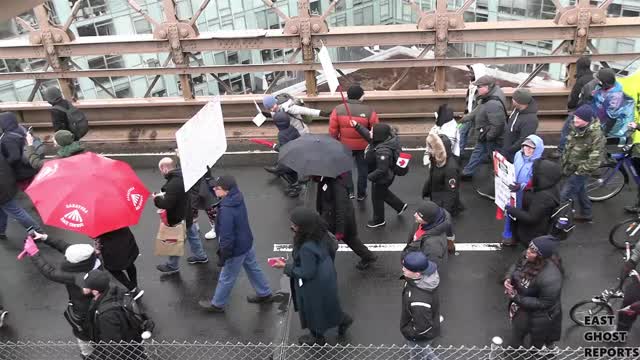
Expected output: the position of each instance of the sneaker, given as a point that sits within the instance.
(635, 209)
(311, 340)
(403, 209)
(208, 306)
(344, 325)
(362, 197)
(272, 169)
(365, 263)
(3, 315)
(260, 299)
(166, 269)
(375, 224)
(196, 260)
(352, 195)
(137, 293)
(3, 237)
(210, 235)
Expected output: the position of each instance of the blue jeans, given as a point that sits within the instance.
(575, 188)
(479, 154)
(565, 132)
(230, 272)
(464, 134)
(421, 350)
(12, 208)
(361, 166)
(195, 244)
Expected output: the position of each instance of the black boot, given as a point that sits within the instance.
(345, 324)
(272, 169)
(310, 339)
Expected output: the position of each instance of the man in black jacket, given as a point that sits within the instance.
(335, 206)
(177, 204)
(8, 204)
(79, 259)
(420, 318)
(59, 120)
(522, 122)
(12, 142)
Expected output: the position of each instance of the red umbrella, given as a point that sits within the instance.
(88, 193)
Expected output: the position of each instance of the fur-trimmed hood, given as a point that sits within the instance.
(440, 148)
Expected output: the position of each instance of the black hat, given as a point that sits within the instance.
(429, 212)
(584, 112)
(96, 280)
(381, 132)
(486, 80)
(607, 77)
(544, 245)
(304, 217)
(226, 182)
(355, 92)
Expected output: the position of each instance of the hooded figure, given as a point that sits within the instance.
(314, 286)
(522, 122)
(59, 120)
(445, 125)
(534, 287)
(67, 146)
(286, 132)
(443, 178)
(523, 163)
(432, 235)
(584, 75)
(79, 260)
(12, 143)
(533, 218)
(611, 105)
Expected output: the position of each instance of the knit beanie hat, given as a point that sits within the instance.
(268, 101)
(544, 245)
(584, 112)
(63, 137)
(417, 261)
(78, 252)
(429, 212)
(226, 182)
(355, 92)
(52, 94)
(96, 280)
(607, 77)
(522, 96)
(381, 132)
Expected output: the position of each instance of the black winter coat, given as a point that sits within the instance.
(70, 275)
(380, 157)
(520, 125)
(443, 181)
(583, 76)
(540, 297)
(420, 317)
(59, 118)
(8, 187)
(118, 249)
(12, 142)
(533, 219)
(175, 200)
(433, 243)
(335, 207)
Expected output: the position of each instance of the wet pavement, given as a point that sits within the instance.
(473, 304)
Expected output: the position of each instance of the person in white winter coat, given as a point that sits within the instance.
(296, 112)
(445, 125)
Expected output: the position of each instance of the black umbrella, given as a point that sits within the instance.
(319, 155)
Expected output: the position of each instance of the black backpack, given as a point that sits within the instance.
(137, 320)
(562, 222)
(76, 120)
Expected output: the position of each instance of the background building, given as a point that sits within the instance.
(115, 17)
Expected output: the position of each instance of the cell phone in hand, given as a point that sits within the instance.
(274, 260)
(30, 129)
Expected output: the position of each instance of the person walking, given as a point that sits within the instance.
(522, 122)
(420, 317)
(432, 235)
(286, 133)
(534, 286)
(490, 118)
(313, 277)
(78, 260)
(611, 105)
(583, 154)
(8, 204)
(334, 205)
(445, 125)
(177, 204)
(295, 112)
(12, 144)
(442, 184)
(380, 156)
(340, 128)
(63, 140)
(235, 250)
(532, 217)
(119, 251)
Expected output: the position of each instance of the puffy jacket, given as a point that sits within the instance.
(286, 132)
(8, 187)
(340, 125)
(12, 142)
(433, 242)
(584, 75)
(631, 87)
(524, 165)
(380, 153)
(540, 297)
(445, 125)
(584, 150)
(232, 226)
(520, 125)
(533, 218)
(175, 201)
(443, 180)
(614, 109)
(296, 112)
(489, 115)
(420, 317)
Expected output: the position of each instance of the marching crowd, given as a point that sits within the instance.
(100, 310)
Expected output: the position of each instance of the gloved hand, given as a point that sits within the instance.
(626, 268)
(30, 248)
(325, 113)
(339, 236)
(266, 114)
(514, 187)
(426, 160)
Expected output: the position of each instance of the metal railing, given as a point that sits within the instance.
(228, 351)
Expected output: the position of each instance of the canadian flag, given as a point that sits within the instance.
(403, 160)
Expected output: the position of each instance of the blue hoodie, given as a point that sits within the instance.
(524, 165)
(232, 226)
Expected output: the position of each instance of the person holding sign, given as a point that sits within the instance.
(287, 103)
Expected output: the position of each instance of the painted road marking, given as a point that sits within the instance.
(397, 247)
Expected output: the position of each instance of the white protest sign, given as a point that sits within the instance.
(329, 71)
(201, 142)
(505, 176)
(259, 119)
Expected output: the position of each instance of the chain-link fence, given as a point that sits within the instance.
(219, 351)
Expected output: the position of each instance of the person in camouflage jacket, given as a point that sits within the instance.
(583, 155)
